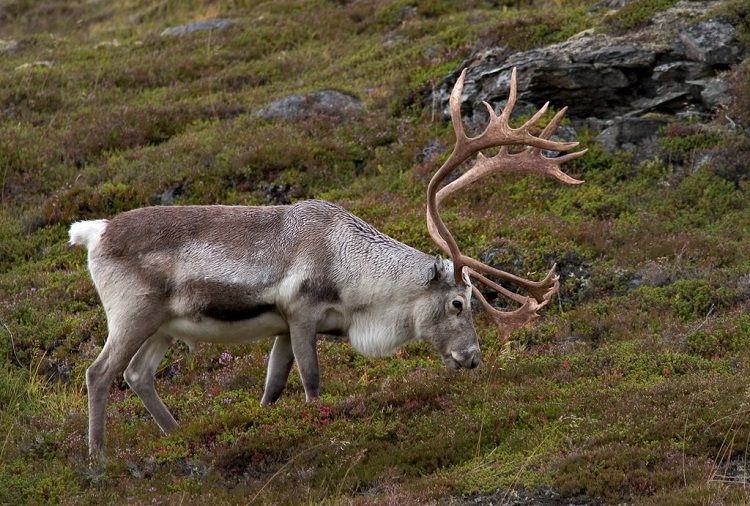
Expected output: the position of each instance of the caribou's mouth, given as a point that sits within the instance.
(451, 363)
(455, 360)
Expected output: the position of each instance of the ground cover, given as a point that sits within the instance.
(629, 389)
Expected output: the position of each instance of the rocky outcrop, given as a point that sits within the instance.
(328, 103)
(631, 84)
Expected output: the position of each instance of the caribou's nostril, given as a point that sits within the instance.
(468, 360)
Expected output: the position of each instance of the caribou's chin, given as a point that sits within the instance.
(451, 363)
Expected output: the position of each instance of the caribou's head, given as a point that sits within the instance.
(455, 336)
(443, 317)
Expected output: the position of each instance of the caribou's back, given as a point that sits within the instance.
(237, 263)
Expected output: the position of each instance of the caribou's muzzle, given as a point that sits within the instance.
(467, 359)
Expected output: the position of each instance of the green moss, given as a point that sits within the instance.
(637, 13)
(615, 472)
(703, 198)
(41, 482)
(719, 337)
(678, 139)
(687, 299)
(532, 28)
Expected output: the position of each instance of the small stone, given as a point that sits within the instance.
(202, 25)
(40, 63)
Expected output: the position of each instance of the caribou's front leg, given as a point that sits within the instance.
(303, 336)
(279, 364)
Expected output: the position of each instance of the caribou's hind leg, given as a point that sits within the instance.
(128, 331)
(140, 377)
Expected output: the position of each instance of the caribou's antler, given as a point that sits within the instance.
(498, 133)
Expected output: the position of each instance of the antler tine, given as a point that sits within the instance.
(529, 160)
(508, 321)
(499, 132)
(455, 109)
(554, 123)
(540, 290)
(498, 288)
(512, 97)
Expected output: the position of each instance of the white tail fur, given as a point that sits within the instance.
(84, 233)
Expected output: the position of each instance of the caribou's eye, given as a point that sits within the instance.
(458, 305)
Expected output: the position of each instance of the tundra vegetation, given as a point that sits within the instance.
(631, 388)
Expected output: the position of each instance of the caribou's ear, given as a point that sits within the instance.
(437, 271)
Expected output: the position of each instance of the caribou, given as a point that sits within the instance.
(233, 274)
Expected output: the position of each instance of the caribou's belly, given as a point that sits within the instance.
(210, 330)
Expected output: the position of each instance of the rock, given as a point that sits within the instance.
(665, 102)
(564, 133)
(306, 105)
(714, 92)
(541, 496)
(202, 25)
(168, 196)
(105, 44)
(623, 55)
(610, 5)
(711, 41)
(431, 151)
(282, 194)
(680, 71)
(592, 74)
(8, 46)
(627, 132)
(667, 67)
(40, 63)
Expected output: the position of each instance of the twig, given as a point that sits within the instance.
(7, 437)
(526, 464)
(490, 367)
(211, 94)
(12, 344)
(2, 184)
(705, 319)
(684, 444)
(35, 374)
(354, 462)
(725, 451)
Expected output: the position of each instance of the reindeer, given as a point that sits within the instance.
(233, 274)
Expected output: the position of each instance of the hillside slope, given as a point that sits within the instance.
(630, 389)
